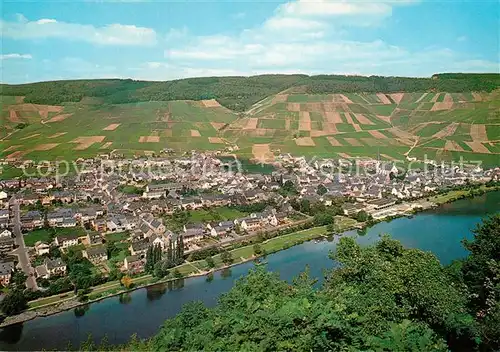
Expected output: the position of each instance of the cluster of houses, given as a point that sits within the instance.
(92, 200)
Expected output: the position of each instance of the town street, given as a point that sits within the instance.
(21, 251)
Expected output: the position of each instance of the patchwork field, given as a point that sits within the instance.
(443, 126)
(391, 126)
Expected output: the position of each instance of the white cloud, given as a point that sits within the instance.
(45, 21)
(282, 23)
(112, 34)
(309, 36)
(15, 56)
(329, 8)
(176, 33)
(238, 15)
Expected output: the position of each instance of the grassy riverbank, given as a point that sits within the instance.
(454, 195)
(200, 267)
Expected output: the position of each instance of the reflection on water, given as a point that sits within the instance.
(125, 298)
(81, 310)
(362, 232)
(486, 204)
(11, 334)
(210, 277)
(226, 273)
(155, 292)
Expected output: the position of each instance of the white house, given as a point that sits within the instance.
(5, 233)
(41, 248)
(65, 241)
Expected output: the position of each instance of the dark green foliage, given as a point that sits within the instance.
(226, 257)
(177, 274)
(262, 312)
(178, 220)
(128, 189)
(153, 256)
(80, 270)
(481, 266)
(18, 279)
(302, 205)
(239, 93)
(204, 254)
(380, 298)
(14, 302)
(20, 126)
(321, 219)
(60, 285)
(257, 249)
(362, 216)
(161, 269)
(321, 190)
(442, 83)
(252, 207)
(179, 250)
(288, 189)
(481, 274)
(210, 262)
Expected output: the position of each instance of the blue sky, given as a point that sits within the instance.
(48, 40)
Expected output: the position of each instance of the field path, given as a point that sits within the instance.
(422, 97)
(411, 148)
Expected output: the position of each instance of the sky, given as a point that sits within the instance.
(163, 40)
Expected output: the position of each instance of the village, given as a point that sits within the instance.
(84, 229)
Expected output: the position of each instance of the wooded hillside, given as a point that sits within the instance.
(239, 93)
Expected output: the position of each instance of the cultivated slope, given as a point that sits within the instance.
(285, 117)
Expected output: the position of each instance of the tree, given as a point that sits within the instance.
(126, 281)
(170, 255)
(481, 275)
(179, 250)
(479, 268)
(19, 278)
(305, 206)
(14, 302)
(257, 249)
(210, 277)
(161, 269)
(362, 216)
(210, 262)
(289, 186)
(177, 274)
(226, 257)
(321, 219)
(330, 227)
(382, 297)
(321, 190)
(153, 256)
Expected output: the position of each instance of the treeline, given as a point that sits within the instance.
(439, 83)
(239, 93)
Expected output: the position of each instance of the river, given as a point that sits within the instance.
(143, 311)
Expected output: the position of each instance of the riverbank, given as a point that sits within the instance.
(52, 305)
(55, 304)
(455, 195)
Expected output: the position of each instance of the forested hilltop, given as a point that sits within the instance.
(381, 298)
(239, 93)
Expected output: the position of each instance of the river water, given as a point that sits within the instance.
(142, 312)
